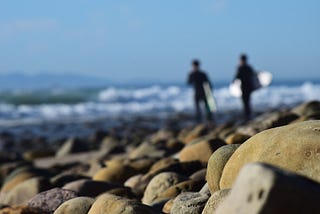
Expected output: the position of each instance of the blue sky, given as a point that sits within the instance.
(145, 40)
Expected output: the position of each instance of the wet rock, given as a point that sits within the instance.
(299, 143)
(216, 165)
(79, 205)
(266, 189)
(50, 200)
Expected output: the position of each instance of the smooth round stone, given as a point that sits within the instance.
(294, 147)
(159, 184)
(17, 179)
(25, 190)
(237, 138)
(115, 172)
(185, 186)
(200, 151)
(50, 200)
(79, 205)
(216, 165)
(189, 203)
(108, 203)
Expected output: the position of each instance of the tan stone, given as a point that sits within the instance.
(159, 184)
(79, 205)
(108, 203)
(115, 172)
(307, 109)
(17, 179)
(167, 206)
(200, 151)
(195, 133)
(189, 203)
(237, 138)
(294, 147)
(25, 190)
(185, 186)
(216, 165)
(215, 200)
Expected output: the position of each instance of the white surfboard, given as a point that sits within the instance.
(209, 97)
(264, 79)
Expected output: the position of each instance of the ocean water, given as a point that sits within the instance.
(50, 105)
(35, 107)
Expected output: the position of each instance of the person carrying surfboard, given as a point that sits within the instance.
(246, 75)
(200, 82)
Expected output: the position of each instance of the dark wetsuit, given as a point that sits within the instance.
(245, 74)
(196, 79)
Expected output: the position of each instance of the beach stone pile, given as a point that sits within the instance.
(270, 164)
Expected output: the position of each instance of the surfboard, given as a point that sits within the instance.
(209, 97)
(262, 79)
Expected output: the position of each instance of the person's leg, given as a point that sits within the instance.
(198, 110)
(246, 105)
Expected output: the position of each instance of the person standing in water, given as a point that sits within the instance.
(245, 74)
(197, 78)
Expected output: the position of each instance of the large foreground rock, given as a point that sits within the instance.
(293, 147)
(261, 188)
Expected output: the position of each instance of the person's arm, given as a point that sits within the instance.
(237, 76)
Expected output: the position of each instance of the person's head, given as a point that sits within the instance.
(195, 64)
(243, 59)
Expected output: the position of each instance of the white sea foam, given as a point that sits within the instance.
(115, 101)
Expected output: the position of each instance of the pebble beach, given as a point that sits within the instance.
(270, 164)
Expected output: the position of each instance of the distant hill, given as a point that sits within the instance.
(47, 80)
